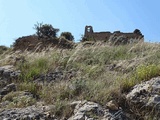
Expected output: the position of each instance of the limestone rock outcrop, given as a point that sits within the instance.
(85, 110)
(146, 96)
(28, 113)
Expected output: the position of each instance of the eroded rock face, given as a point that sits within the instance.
(146, 95)
(28, 113)
(84, 110)
(8, 72)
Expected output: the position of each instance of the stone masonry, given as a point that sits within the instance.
(104, 36)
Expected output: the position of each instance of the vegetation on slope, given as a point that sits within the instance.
(102, 72)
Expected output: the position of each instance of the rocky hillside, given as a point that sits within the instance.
(92, 81)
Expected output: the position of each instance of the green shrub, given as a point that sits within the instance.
(142, 73)
(146, 72)
(68, 36)
(32, 69)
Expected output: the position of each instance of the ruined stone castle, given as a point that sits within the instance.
(134, 36)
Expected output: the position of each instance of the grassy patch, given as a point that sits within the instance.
(142, 73)
(33, 88)
(62, 109)
(32, 69)
(18, 99)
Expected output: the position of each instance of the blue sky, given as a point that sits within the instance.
(17, 17)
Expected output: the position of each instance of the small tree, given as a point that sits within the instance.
(45, 30)
(68, 36)
(137, 31)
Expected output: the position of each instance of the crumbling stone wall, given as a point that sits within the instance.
(105, 36)
(30, 43)
(33, 43)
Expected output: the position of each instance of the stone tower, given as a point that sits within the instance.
(88, 31)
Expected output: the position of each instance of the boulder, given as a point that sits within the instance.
(85, 110)
(8, 72)
(146, 96)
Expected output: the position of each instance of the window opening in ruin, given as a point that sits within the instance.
(88, 29)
